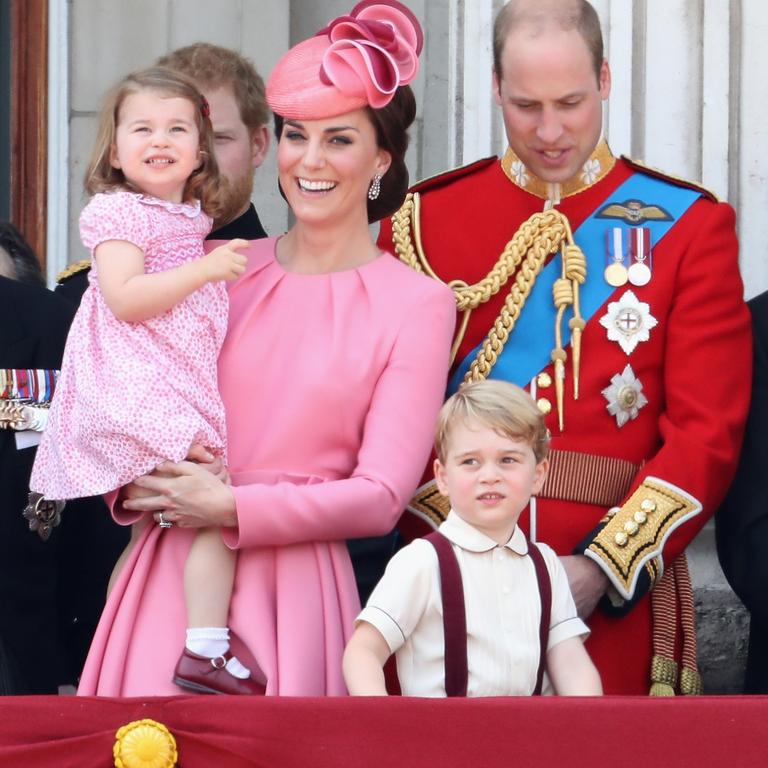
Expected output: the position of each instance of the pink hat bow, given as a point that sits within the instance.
(359, 59)
(373, 51)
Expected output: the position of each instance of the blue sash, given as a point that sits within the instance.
(530, 344)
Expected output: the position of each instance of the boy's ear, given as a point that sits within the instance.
(540, 475)
(439, 471)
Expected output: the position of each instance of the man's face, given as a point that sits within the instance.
(238, 150)
(551, 101)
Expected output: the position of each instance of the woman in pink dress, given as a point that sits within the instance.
(332, 373)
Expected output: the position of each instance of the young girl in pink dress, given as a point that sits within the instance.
(138, 384)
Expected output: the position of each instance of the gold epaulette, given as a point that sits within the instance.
(639, 165)
(635, 535)
(73, 269)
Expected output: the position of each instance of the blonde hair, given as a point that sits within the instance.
(498, 405)
(204, 184)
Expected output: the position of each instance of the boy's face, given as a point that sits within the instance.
(489, 478)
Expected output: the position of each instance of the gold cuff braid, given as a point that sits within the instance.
(638, 531)
(429, 504)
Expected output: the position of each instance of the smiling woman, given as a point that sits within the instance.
(326, 167)
(331, 375)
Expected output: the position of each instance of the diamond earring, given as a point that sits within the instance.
(375, 188)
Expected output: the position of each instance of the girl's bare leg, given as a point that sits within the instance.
(209, 575)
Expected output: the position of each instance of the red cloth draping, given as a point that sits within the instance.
(230, 732)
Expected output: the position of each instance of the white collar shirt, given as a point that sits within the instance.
(502, 604)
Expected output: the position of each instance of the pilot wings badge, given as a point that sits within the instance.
(634, 212)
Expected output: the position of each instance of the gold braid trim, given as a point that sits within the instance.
(690, 682)
(663, 676)
(523, 256)
(638, 532)
(73, 269)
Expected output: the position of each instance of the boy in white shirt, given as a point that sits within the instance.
(482, 633)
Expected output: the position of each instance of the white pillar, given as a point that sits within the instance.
(57, 214)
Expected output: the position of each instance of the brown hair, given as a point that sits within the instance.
(576, 14)
(212, 66)
(26, 266)
(204, 184)
(391, 124)
(498, 405)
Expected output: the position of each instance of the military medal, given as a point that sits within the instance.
(42, 515)
(35, 385)
(639, 271)
(615, 253)
(625, 396)
(628, 321)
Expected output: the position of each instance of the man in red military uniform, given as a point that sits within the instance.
(613, 294)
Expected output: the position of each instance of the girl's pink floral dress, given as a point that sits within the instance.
(132, 395)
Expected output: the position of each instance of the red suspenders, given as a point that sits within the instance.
(455, 616)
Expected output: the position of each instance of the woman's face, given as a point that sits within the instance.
(326, 166)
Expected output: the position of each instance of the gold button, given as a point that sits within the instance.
(621, 539)
(640, 517)
(631, 527)
(544, 380)
(648, 505)
(544, 405)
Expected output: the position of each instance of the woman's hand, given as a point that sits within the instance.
(188, 495)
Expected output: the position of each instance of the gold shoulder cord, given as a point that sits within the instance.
(523, 256)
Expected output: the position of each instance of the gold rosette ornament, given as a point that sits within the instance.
(145, 744)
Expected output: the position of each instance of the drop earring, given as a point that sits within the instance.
(375, 188)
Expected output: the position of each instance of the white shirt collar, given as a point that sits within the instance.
(460, 532)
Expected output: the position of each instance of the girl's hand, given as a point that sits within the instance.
(224, 262)
(188, 496)
(213, 464)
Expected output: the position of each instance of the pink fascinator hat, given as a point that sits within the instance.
(358, 60)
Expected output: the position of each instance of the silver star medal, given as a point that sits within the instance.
(628, 321)
(625, 396)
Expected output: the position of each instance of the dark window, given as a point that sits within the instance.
(5, 109)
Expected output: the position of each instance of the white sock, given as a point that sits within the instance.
(208, 641)
(236, 669)
(213, 642)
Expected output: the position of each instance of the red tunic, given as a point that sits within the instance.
(694, 369)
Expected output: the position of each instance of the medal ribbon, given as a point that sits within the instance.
(36, 385)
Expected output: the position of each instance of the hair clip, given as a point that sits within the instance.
(205, 108)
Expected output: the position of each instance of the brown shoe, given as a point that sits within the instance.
(204, 675)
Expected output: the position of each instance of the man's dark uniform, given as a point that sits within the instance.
(742, 520)
(34, 329)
